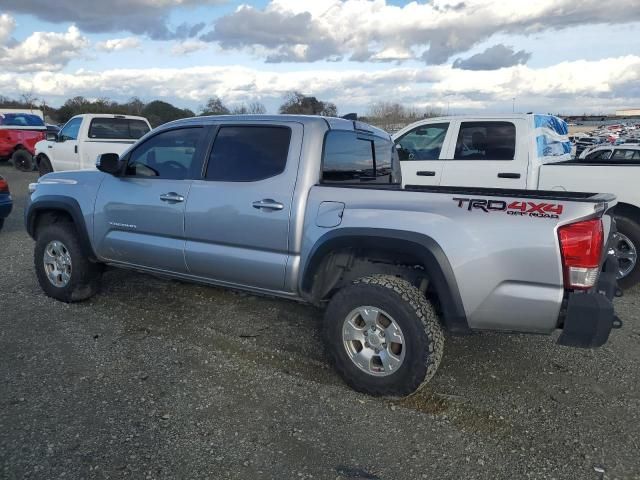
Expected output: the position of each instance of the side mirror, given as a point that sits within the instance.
(52, 137)
(109, 163)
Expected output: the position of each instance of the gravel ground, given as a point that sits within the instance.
(160, 379)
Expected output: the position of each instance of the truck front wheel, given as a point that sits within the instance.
(383, 336)
(44, 165)
(63, 270)
(626, 243)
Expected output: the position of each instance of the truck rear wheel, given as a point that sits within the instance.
(626, 243)
(44, 165)
(22, 160)
(383, 336)
(63, 270)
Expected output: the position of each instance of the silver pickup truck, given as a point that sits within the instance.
(311, 209)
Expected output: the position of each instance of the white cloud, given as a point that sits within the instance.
(7, 25)
(188, 46)
(570, 86)
(117, 44)
(366, 30)
(40, 50)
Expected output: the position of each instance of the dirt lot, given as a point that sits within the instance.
(158, 379)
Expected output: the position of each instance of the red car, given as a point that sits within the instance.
(19, 133)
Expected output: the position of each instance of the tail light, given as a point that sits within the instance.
(4, 186)
(581, 245)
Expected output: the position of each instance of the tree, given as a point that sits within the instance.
(134, 106)
(159, 112)
(257, 108)
(214, 106)
(297, 103)
(254, 108)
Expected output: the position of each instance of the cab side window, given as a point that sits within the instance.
(486, 141)
(352, 157)
(70, 130)
(173, 154)
(248, 153)
(422, 143)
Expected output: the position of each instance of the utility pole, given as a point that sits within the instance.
(513, 105)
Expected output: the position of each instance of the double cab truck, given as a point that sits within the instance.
(311, 209)
(86, 136)
(20, 130)
(523, 151)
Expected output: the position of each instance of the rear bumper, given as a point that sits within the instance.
(589, 316)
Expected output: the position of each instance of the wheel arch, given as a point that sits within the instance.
(333, 254)
(627, 210)
(55, 208)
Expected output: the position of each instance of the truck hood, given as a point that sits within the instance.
(73, 177)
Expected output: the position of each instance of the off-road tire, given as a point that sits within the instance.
(22, 160)
(631, 229)
(416, 317)
(44, 165)
(85, 275)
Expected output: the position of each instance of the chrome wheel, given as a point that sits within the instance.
(626, 253)
(374, 341)
(57, 263)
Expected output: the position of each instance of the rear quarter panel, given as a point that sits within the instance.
(507, 267)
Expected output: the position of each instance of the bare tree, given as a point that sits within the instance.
(214, 106)
(257, 108)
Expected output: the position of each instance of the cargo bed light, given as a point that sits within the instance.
(581, 245)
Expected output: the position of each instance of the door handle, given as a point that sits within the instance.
(426, 173)
(75, 149)
(508, 175)
(268, 204)
(171, 197)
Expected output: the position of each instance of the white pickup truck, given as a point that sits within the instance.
(86, 136)
(521, 151)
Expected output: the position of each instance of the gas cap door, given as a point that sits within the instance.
(329, 214)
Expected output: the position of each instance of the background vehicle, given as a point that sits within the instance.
(522, 151)
(6, 203)
(84, 137)
(310, 208)
(20, 130)
(623, 153)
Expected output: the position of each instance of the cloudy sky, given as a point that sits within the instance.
(568, 56)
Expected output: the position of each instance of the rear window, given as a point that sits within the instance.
(486, 141)
(20, 120)
(351, 157)
(117, 128)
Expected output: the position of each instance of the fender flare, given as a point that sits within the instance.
(432, 256)
(60, 203)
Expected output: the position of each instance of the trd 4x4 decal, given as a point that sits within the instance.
(531, 209)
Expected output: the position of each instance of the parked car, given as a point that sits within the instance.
(19, 133)
(521, 151)
(311, 209)
(84, 137)
(6, 203)
(585, 143)
(625, 153)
